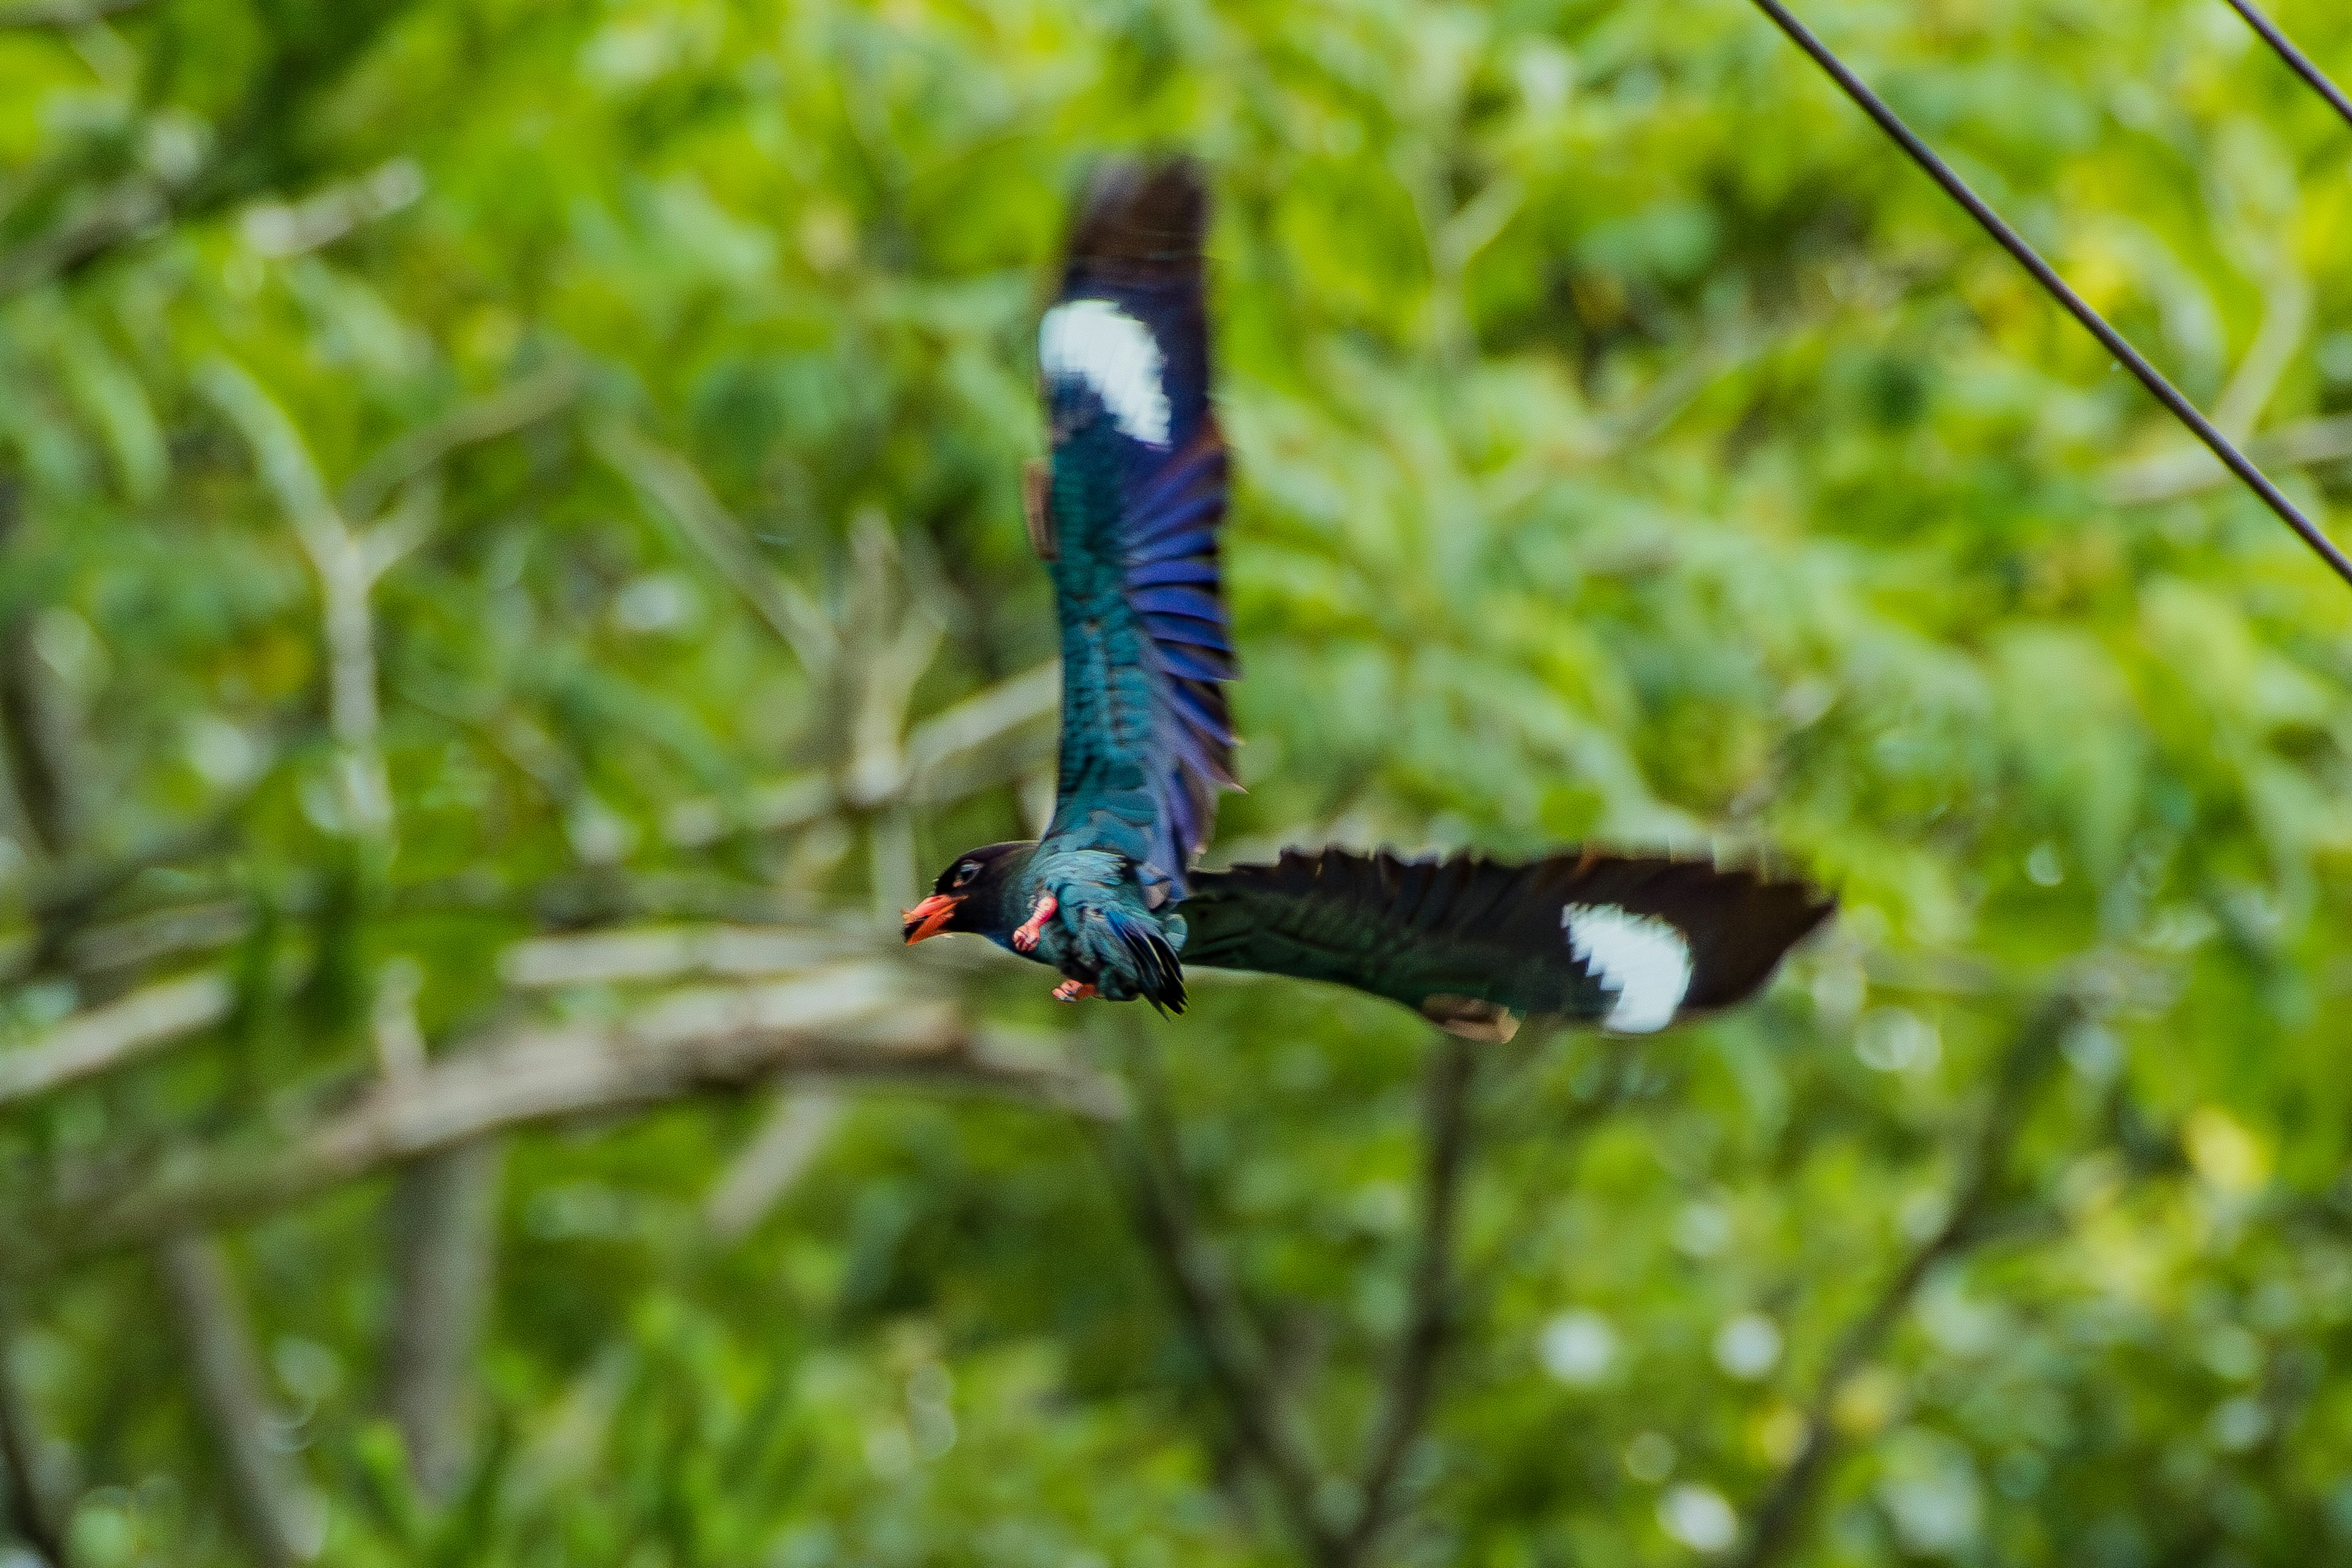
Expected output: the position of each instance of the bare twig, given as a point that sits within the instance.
(115, 216)
(888, 637)
(135, 942)
(66, 901)
(511, 408)
(63, 15)
(781, 807)
(2174, 476)
(444, 1220)
(1783, 1506)
(2278, 341)
(985, 719)
(599, 896)
(678, 493)
(639, 956)
(292, 228)
(283, 1522)
(37, 732)
(106, 1038)
(849, 1023)
(787, 1143)
(445, 1238)
(1430, 1320)
(348, 564)
(40, 741)
(29, 1514)
(985, 740)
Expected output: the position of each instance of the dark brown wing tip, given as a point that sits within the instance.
(1742, 912)
(1141, 219)
(1778, 913)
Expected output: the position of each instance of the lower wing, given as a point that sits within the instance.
(1631, 943)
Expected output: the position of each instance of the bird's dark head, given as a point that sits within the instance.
(974, 894)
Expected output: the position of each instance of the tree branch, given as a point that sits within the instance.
(347, 569)
(678, 493)
(278, 229)
(40, 739)
(104, 1039)
(1206, 1300)
(63, 15)
(68, 898)
(515, 407)
(2192, 471)
(1268, 1430)
(1782, 1512)
(117, 215)
(787, 1143)
(444, 1251)
(642, 956)
(851, 1022)
(976, 743)
(29, 1511)
(1430, 1322)
(281, 1519)
(255, 146)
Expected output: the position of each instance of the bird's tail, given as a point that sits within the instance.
(1631, 943)
(1160, 977)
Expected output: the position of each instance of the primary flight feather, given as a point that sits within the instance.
(1127, 521)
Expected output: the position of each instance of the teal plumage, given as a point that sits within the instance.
(1105, 799)
(1132, 507)
(1101, 932)
(1129, 523)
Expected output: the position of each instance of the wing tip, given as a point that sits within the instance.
(1737, 917)
(1147, 214)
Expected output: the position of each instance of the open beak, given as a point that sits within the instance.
(931, 916)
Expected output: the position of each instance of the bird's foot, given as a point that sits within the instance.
(1073, 991)
(1026, 935)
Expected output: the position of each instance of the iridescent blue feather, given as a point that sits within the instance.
(1137, 496)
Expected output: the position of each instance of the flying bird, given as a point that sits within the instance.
(1126, 518)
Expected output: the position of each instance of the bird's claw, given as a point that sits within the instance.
(1026, 935)
(1073, 991)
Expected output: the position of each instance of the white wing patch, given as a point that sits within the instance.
(1640, 958)
(1113, 352)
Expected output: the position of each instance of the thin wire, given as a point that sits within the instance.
(2096, 324)
(2297, 62)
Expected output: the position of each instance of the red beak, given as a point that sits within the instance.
(931, 916)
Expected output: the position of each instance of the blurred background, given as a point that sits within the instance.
(513, 574)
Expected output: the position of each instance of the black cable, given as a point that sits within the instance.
(2096, 324)
(2297, 62)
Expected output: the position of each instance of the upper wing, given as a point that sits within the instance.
(1131, 522)
(1631, 942)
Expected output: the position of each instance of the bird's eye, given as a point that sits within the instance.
(966, 872)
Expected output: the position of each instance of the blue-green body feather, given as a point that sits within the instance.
(1110, 718)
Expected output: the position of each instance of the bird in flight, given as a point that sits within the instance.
(1127, 518)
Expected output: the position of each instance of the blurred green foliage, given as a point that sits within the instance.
(1630, 447)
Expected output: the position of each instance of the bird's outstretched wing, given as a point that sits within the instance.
(1631, 943)
(1128, 525)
